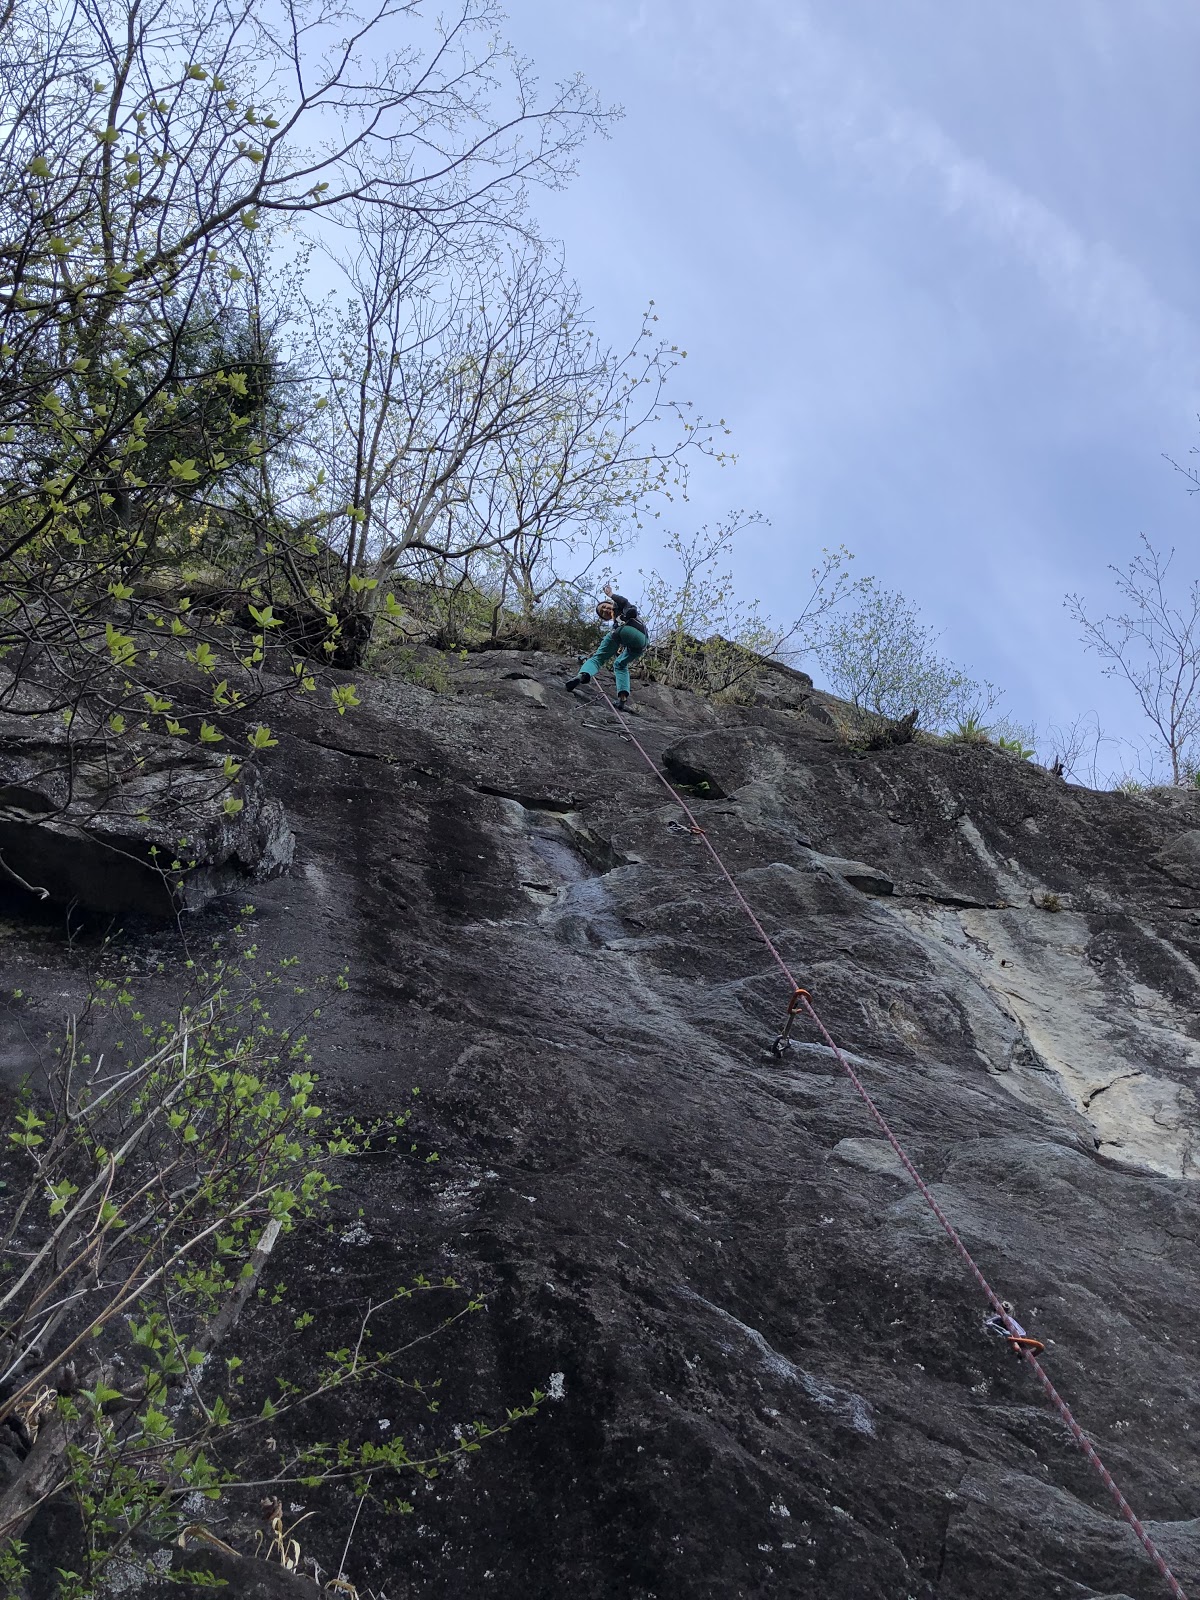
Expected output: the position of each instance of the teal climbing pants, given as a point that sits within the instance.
(631, 642)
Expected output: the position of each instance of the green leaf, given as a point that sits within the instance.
(120, 646)
(39, 167)
(261, 738)
(102, 1395)
(62, 1193)
(233, 806)
(185, 471)
(209, 734)
(202, 656)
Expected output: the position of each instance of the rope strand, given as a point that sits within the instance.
(1078, 1436)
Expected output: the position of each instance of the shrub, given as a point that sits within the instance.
(884, 660)
(971, 731)
(412, 663)
(1016, 747)
(153, 1180)
(705, 639)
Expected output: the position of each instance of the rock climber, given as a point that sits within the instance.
(627, 635)
(1006, 1326)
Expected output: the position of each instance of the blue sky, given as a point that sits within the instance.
(935, 264)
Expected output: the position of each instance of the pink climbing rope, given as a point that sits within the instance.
(798, 993)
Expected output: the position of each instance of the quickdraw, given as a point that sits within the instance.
(795, 1006)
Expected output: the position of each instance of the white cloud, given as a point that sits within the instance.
(767, 57)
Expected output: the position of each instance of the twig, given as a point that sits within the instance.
(232, 1309)
(42, 894)
(341, 1572)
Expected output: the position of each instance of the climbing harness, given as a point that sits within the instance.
(1026, 1348)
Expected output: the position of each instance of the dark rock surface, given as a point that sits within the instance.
(140, 826)
(768, 1369)
(202, 1572)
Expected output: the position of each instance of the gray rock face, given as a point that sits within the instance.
(869, 880)
(768, 1370)
(144, 827)
(1180, 860)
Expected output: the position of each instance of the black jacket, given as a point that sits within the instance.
(625, 614)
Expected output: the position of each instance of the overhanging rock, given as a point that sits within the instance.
(148, 825)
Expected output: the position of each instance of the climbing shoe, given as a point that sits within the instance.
(579, 682)
(623, 701)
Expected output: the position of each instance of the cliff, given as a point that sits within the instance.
(767, 1367)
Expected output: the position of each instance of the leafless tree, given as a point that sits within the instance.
(467, 407)
(1073, 750)
(1153, 645)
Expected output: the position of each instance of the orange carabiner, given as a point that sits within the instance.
(799, 996)
(795, 1005)
(1022, 1345)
